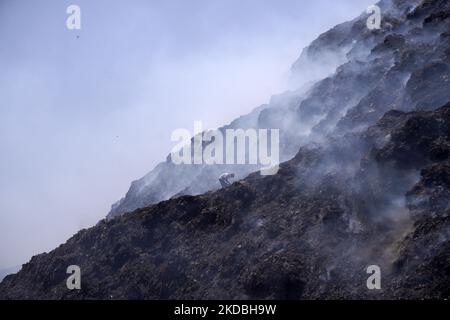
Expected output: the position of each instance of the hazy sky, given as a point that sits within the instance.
(83, 113)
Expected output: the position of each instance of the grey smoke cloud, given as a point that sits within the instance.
(83, 113)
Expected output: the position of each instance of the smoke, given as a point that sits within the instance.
(83, 113)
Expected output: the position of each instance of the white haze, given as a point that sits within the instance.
(83, 113)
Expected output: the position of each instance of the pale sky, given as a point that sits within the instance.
(83, 113)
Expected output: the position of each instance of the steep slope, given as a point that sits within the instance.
(368, 184)
(308, 232)
(7, 271)
(349, 77)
